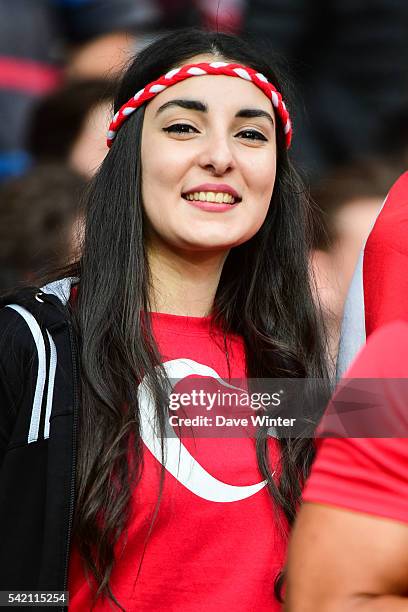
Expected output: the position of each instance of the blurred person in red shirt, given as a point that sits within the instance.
(349, 549)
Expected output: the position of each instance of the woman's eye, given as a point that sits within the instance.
(252, 135)
(180, 128)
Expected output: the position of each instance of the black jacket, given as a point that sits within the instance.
(38, 421)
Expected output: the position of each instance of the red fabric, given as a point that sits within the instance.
(28, 76)
(385, 262)
(370, 474)
(180, 74)
(201, 555)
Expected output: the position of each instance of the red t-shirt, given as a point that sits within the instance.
(386, 260)
(370, 474)
(216, 543)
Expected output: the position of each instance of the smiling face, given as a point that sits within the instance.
(208, 163)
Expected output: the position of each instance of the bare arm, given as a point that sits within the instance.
(345, 561)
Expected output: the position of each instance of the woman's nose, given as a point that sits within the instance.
(217, 156)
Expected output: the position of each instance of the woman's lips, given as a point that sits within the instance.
(212, 197)
(211, 206)
(213, 192)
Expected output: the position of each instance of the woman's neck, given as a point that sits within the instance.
(184, 283)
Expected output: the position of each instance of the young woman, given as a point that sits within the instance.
(195, 262)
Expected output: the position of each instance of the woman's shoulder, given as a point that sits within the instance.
(14, 332)
(33, 327)
(28, 312)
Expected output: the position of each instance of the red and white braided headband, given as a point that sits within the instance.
(191, 70)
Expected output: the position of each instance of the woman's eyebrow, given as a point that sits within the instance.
(249, 113)
(188, 104)
(196, 105)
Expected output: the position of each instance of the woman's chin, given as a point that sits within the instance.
(187, 239)
(207, 240)
(206, 245)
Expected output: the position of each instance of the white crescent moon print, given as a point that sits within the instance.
(178, 460)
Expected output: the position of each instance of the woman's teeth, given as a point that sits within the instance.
(211, 196)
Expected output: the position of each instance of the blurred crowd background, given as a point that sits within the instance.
(59, 59)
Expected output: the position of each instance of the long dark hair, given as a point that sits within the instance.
(264, 295)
